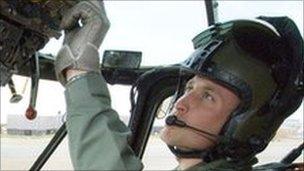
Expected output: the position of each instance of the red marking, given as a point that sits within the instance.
(30, 113)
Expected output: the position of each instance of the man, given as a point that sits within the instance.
(225, 114)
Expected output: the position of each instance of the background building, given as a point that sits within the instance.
(19, 125)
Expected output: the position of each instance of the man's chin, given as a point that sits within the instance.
(182, 138)
(169, 135)
(165, 134)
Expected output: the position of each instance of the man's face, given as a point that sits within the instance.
(205, 105)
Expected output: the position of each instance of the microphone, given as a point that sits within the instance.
(173, 121)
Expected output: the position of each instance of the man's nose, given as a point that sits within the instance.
(181, 105)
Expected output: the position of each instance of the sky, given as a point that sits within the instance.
(162, 30)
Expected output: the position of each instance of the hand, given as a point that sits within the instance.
(81, 43)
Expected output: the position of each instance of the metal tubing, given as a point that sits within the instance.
(211, 9)
(293, 154)
(50, 148)
(35, 71)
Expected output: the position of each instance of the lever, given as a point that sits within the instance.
(15, 97)
(31, 112)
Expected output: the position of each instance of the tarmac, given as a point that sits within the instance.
(20, 152)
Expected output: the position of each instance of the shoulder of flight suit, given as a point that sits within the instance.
(97, 137)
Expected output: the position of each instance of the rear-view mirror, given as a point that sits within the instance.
(121, 59)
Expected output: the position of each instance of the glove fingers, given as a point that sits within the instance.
(80, 50)
(69, 22)
(83, 11)
(71, 18)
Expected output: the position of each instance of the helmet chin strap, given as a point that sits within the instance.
(206, 154)
(185, 154)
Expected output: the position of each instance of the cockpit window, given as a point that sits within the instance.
(162, 31)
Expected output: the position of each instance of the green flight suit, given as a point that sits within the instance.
(97, 138)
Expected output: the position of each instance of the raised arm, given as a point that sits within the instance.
(97, 138)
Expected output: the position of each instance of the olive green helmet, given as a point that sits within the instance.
(255, 61)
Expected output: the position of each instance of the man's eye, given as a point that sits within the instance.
(208, 96)
(187, 88)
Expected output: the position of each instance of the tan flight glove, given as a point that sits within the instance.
(81, 43)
